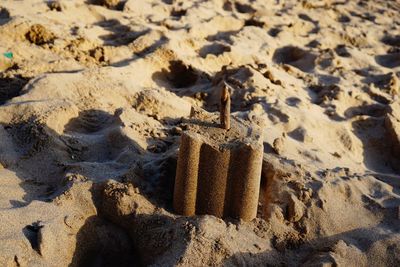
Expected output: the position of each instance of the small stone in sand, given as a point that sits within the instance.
(278, 145)
(295, 209)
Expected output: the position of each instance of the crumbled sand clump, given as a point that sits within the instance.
(39, 35)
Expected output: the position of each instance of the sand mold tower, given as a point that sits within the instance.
(218, 170)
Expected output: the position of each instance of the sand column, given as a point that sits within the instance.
(212, 181)
(185, 189)
(245, 175)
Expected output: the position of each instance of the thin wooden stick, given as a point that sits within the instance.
(225, 107)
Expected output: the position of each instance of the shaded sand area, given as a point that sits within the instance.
(91, 111)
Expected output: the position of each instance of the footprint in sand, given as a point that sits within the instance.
(389, 60)
(296, 57)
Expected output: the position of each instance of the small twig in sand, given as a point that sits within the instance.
(225, 107)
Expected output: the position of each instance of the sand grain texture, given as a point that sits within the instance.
(94, 102)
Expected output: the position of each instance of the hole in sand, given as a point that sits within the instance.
(293, 101)
(314, 44)
(227, 6)
(296, 57)
(254, 22)
(178, 13)
(341, 50)
(214, 49)
(222, 36)
(11, 87)
(391, 40)
(4, 16)
(325, 93)
(305, 17)
(344, 19)
(244, 8)
(274, 32)
(389, 60)
(178, 74)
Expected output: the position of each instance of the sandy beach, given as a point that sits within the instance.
(93, 101)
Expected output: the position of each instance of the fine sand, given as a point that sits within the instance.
(91, 112)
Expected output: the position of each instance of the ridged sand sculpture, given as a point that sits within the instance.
(219, 165)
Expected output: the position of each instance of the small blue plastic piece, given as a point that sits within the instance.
(8, 55)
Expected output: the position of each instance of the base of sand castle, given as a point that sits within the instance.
(218, 171)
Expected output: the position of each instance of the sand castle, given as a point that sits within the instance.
(219, 165)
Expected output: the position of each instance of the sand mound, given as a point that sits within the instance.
(96, 96)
